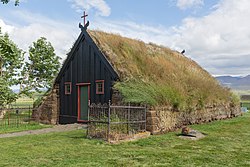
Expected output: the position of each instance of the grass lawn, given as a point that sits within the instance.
(23, 102)
(22, 127)
(15, 122)
(227, 144)
(246, 104)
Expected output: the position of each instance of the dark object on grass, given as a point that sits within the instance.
(189, 133)
(185, 130)
(182, 52)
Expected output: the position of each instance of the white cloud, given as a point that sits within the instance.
(100, 6)
(24, 36)
(39, 26)
(185, 4)
(23, 1)
(219, 41)
(159, 35)
(5, 28)
(20, 1)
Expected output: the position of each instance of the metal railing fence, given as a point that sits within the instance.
(111, 122)
(15, 116)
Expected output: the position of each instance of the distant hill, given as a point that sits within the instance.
(239, 83)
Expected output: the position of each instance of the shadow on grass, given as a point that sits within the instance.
(82, 135)
(77, 137)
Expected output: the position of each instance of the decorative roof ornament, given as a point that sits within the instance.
(85, 27)
(84, 17)
(84, 22)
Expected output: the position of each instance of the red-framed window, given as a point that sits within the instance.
(67, 88)
(99, 86)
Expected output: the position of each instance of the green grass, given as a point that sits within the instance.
(227, 144)
(241, 92)
(22, 127)
(23, 102)
(246, 104)
(149, 93)
(16, 123)
(12, 120)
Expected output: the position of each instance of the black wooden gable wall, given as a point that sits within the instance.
(85, 64)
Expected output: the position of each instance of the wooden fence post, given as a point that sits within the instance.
(109, 121)
(8, 116)
(145, 118)
(128, 117)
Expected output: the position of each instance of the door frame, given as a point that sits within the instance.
(78, 100)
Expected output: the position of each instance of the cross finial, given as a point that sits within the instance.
(84, 18)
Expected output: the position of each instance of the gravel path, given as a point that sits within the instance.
(56, 128)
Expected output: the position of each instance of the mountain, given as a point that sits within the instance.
(239, 83)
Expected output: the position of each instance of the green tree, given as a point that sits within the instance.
(11, 61)
(41, 69)
(7, 1)
(7, 96)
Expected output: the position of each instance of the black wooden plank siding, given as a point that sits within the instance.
(84, 64)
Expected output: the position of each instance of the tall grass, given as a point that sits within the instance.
(157, 75)
(226, 144)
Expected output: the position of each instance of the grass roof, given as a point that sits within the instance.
(157, 75)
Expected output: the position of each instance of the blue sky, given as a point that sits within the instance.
(214, 33)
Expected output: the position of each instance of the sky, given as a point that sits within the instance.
(214, 33)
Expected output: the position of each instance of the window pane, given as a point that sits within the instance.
(100, 87)
(67, 88)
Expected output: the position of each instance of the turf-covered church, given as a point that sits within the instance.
(85, 76)
(103, 66)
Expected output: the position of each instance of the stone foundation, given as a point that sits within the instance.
(2, 113)
(161, 120)
(116, 97)
(48, 111)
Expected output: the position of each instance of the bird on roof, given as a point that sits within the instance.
(182, 52)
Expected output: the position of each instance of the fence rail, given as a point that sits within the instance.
(15, 116)
(112, 122)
